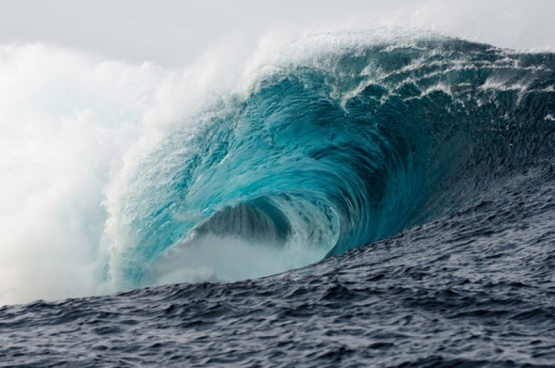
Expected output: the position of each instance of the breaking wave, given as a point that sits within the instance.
(340, 142)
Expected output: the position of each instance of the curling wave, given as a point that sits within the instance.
(348, 143)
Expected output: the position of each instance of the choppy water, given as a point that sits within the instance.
(418, 172)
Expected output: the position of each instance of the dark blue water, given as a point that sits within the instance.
(418, 174)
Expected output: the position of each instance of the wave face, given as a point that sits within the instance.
(345, 143)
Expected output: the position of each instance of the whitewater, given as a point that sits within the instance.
(348, 199)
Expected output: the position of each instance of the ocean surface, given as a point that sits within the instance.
(361, 203)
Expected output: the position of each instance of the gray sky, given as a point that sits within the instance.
(175, 32)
